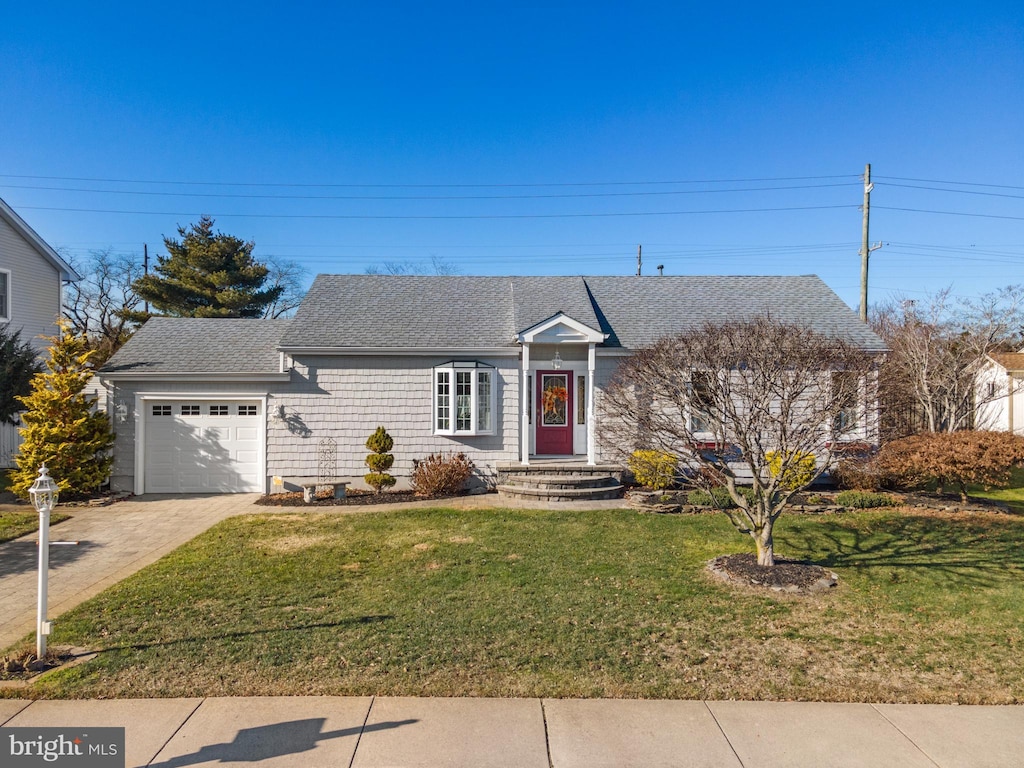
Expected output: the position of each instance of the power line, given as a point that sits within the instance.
(961, 183)
(950, 213)
(442, 217)
(941, 189)
(427, 186)
(420, 197)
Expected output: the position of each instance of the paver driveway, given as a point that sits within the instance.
(114, 542)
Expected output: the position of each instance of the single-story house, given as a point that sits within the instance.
(999, 397)
(444, 363)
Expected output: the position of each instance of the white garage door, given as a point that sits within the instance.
(203, 446)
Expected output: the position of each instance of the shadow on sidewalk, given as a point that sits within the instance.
(251, 745)
(22, 555)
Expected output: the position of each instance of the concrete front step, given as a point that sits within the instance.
(559, 494)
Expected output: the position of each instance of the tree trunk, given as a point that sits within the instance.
(765, 546)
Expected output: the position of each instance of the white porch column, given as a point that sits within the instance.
(591, 425)
(524, 410)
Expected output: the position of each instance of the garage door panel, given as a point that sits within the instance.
(204, 453)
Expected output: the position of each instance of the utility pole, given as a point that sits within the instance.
(866, 248)
(145, 266)
(639, 260)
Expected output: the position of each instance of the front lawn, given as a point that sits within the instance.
(560, 604)
(19, 522)
(1013, 496)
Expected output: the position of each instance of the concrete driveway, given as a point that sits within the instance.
(114, 542)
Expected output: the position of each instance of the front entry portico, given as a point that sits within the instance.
(557, 397)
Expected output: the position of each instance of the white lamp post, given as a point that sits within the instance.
(44, 492)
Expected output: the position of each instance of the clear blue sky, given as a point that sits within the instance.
(510, 140)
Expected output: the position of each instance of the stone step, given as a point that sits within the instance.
(559, 494)
(560, 481)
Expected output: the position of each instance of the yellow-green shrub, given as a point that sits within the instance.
(654, 469)
(799, 472)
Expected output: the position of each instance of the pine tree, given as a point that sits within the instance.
(62, 428)
(206, 274)
(18, 364)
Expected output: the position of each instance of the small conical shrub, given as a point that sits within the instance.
(380, 460)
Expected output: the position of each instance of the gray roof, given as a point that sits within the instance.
(457, 312)
(200, 345)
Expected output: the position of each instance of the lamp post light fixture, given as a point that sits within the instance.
(556, 361)
(44, 493)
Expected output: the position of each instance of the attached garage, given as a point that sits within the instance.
(203, 445)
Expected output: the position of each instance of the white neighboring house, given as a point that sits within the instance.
(1000, 393)
(32, 278)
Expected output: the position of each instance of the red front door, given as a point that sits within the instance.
(553, 418)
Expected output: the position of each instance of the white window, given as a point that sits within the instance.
(190, 410)
(218, 410)
(701, 392)
(247, 410)
(846, 398)
(161, 410)
(5, 296)
(464, 396)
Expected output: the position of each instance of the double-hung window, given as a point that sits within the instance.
(464, 396)
(5, 296)
(701, 389)
(846, 399)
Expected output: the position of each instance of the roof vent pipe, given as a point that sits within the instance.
(661, 270)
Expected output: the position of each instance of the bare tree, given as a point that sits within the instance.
(97, 306)
(746, 401)
(929, 381)
(437, 266)
(290, 276)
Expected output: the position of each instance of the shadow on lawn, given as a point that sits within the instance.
(248, 633)
(958, 551)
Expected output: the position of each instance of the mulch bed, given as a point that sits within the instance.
(353, 498)
(784, 576)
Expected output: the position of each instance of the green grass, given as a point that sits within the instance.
(1012, 496)
(19, 522)
(560, 604)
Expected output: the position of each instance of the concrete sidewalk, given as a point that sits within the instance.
(368, 732)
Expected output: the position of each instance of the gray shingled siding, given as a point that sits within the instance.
(346, 398)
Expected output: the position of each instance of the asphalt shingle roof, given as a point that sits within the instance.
(439, 312)
(366, 312)
(201, 345)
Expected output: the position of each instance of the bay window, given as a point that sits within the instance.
(464, 398)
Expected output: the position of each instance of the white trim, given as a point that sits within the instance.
(66, 271)
(546, 332)
(524, 410)
(7, 302)
(140, 429)
(183, 376)
(591, 426)
(397, 351)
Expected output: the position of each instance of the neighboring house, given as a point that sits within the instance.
(1000, 393)
(505, 369)
(32, 278)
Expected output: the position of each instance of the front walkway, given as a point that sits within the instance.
(373, 732)
(113, 543)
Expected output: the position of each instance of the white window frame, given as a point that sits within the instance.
(5, 316)
(477, 370)
(694, 419)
